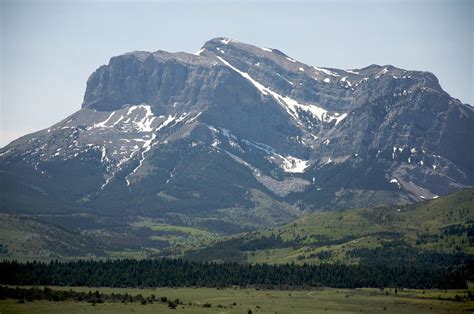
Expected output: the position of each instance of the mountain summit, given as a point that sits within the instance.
(237, 137)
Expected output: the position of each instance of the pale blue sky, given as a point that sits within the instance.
(48, 49)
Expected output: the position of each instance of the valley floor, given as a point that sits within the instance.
(238, 300)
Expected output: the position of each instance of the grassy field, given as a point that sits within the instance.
(179, 237)
(261, 301)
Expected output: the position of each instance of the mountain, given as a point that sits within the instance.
(237, 138)
(438, 232)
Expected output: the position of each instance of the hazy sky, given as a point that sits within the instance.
(48, 49)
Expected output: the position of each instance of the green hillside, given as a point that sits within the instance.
(91, 235)
(24, 238)
(440, 230)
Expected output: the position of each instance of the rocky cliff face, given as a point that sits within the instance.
(237, 132)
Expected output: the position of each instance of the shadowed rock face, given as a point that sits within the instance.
(200, 134)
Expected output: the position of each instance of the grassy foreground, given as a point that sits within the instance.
(260, 301)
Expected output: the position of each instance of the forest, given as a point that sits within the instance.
(182, 273)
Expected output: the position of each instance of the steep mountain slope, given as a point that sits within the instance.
(237, 135)
(436, 231)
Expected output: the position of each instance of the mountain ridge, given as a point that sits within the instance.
(166, 134)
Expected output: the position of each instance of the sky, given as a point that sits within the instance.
(48, 49)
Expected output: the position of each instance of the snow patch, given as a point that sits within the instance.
(395, 181)
(340, 118)
(147, 146)
(213, 129)
(326, 71)
(352, 71)
(290, 105)
(166, 122)
(194, 118)
(289, 164)
(294, 165)
(181, 117)
(345, 80)
(6, 152)
(103, 123)
(118, 121)
(383, 71)
(103, 157)
(198, 53)
(259, 86)
(141, 124)
(144, 125)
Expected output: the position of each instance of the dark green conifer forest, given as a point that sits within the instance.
(182, 273)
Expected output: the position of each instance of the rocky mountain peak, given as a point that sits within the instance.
(235, 126)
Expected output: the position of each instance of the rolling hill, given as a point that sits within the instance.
(439, 230)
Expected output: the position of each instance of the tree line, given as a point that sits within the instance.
(48, 294)
(182, 273)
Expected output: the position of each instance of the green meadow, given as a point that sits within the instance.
(236, 300)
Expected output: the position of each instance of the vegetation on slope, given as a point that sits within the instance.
(437, 231)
